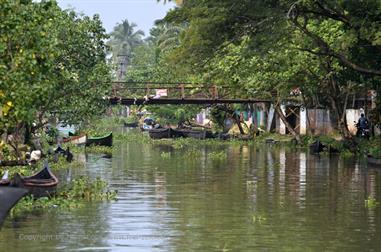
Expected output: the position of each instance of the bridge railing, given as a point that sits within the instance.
(168, 90)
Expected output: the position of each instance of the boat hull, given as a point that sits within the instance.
(160, 133)
(175, 133)
(131, 125)
(197, 134)
(194, 134)
(374, 161)
(42, 184)
(210, 135)
(9, 196)
(100, 141)
(4, 182)
(78, 140)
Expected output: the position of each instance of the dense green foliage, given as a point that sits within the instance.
(328, 50)
(52, 63)
(150, 62)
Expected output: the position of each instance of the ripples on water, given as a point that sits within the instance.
(259, 198)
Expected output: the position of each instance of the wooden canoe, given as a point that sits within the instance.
(4, 182)
(9, 196)
(197, 134)
(160, 133)
(210, 135)
(374, 161)
(41, 184)
(175, 133)
(100, 141)
(78, 140)
(131, 125)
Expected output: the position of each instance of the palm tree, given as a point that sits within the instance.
(165, 36)
(122, 42)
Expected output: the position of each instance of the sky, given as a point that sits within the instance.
(142, 12)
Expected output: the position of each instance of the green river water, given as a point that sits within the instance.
(260, 198)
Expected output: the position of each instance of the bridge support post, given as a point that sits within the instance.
(182, 91)
(215, 92)
(147, 90)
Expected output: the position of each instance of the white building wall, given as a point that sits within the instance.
(353, 116)
(282, 126)
(303, 121)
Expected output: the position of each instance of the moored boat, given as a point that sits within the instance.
(78, 140)
(4, 181)
(9, 196)
(210, 135)
(130, 125)
(175, 133)
(41, 184)
(316, 147)
(100, 141)
(374, 161)
(160, 133)
(197, 134)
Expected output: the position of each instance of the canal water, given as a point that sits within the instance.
(260, 198)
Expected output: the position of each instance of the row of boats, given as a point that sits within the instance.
(189, 133)
(155, 131)
(175, 133)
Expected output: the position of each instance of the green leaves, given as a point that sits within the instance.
(52, 62)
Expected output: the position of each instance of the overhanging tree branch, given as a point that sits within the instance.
(325, 50)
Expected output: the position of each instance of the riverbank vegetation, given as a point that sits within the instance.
(80, 191)
(52, 66)
(313, 54)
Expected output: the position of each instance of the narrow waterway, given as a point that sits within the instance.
(260, 198)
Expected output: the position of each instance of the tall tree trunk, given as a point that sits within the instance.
(341, 117)
(238, 122)
(27, 133)
(288, 126)
(340, 109)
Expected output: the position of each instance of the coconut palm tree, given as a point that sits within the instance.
(123, 39)
(165, 36)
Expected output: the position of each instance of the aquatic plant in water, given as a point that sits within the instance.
(193, 153)
(165, 155)
(375, 151)
(371, 202)
(221, 155)
(100, 149)
(81, 190)
(258, 219)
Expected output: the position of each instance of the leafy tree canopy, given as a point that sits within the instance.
(52, 63)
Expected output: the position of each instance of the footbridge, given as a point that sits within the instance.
(147, 93)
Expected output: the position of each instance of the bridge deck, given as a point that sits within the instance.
(142, 101)
(174, 93)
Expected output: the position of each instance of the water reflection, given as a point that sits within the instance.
(259, 198)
